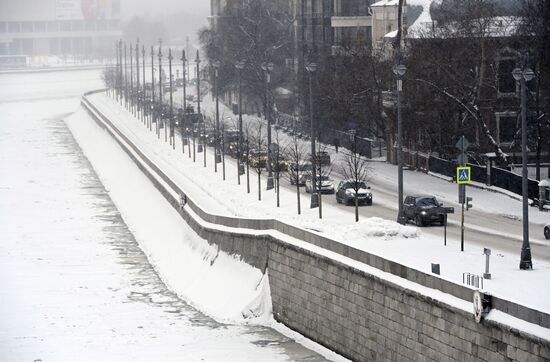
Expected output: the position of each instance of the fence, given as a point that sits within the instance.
(499, 177)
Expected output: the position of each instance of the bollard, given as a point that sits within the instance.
(487, 253)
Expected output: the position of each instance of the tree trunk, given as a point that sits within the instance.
(259, 187)
(356, 207)
(298, 196)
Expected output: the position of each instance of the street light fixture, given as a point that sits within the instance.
(268, 68)
(240, 169)
(311, 68)
(161, 105)
(184, 105)
(399, 70)
(524, 75)
(153, 114)
(216, 65)
(171, 113)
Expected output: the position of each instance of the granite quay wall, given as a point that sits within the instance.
(352, 312)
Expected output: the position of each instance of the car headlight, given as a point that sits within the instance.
(349, 193)
(423, 212)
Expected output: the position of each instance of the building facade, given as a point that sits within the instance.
(59, 27)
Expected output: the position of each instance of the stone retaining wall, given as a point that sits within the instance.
(356, 314)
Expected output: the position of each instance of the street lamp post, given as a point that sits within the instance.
(125, 75)
(131, 95)
(198, 61)
(184, 105)
(161, 105)
(143, 113)
(311, 68)
(172, 138)
(268, 67)
(524, 75)
(138, 90)
(216, 66)
(240, 66)
(399, 70)
(153, 113)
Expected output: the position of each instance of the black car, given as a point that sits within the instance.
(423, 210)
(547, 232)
(345, 193)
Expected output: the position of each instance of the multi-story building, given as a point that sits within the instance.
(56, 27)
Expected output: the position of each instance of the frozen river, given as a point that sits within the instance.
(74, 283)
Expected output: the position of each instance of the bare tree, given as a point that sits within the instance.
(295, 152)
(258, 157)
(450, 66)
(355, 169)
(280, 164)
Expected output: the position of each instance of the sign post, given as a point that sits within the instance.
(463, 178)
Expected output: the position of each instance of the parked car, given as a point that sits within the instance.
(423, 210)
(280, 165)
(345, 193)
(326, 187)
(299, 173)
(547, 232)
(257, 159)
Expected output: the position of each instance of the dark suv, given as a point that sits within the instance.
(346, 193)
(423, 210)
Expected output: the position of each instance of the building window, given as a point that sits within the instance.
(26, 27)
(65, 26)
(3, 27)
(14, 27)
(507, 126)
(53, 26)
(40, 26)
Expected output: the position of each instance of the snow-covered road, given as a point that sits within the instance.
(75, 282)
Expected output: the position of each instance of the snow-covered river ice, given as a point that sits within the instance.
(74, 283)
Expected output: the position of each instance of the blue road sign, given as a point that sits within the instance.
(463, 175)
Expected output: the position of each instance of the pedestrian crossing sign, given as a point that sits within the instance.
(463, 175)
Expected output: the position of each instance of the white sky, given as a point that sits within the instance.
(161, 7)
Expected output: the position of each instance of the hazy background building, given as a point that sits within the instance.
(59, 27)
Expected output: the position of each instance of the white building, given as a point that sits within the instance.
(57, 27)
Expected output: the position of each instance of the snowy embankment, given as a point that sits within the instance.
(214, 282)
(407, 245)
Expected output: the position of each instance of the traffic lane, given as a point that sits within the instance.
(500, 224)
(480, 238)
(490, 230)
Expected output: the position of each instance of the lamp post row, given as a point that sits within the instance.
(522, 74)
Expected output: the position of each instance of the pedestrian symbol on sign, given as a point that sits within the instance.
(463, 175)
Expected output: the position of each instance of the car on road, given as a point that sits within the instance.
(326, 184)
(547, 232)
(257, 159)
(297, 173)
(423, 210)
(345, 193)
